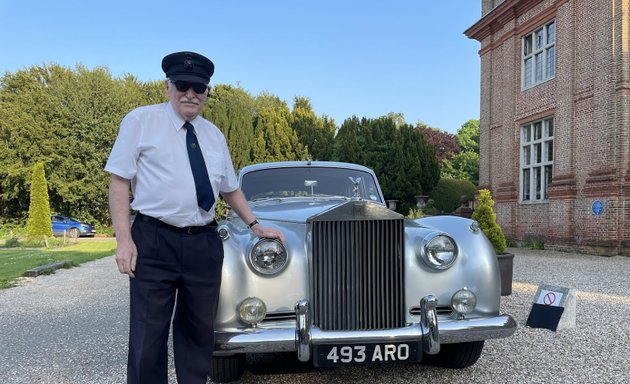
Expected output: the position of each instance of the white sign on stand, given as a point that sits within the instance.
(550, 298)
(553, 308)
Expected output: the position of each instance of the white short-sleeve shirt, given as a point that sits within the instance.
(150, 150)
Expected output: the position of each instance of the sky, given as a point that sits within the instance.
(361, 58)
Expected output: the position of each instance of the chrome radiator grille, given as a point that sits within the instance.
(358, 274)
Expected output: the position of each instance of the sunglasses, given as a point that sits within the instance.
(184, 86)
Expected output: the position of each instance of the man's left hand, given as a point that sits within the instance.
(268, 233)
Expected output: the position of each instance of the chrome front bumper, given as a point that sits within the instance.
(304, 335)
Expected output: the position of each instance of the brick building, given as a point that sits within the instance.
(555, 120)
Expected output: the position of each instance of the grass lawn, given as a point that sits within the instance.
(15, 261)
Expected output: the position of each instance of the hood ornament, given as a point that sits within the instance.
(355, 187)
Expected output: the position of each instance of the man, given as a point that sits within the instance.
(176, 163)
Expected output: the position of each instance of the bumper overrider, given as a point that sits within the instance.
(304, 336)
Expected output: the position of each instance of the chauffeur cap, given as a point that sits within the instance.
(188, 66)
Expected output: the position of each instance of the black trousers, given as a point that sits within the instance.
(173, 267)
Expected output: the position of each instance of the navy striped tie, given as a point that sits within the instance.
(205, 195)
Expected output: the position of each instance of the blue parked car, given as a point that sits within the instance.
(71, 226)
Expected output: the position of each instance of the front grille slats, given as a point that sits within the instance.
(358, 274)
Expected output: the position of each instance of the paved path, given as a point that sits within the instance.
(71, 328)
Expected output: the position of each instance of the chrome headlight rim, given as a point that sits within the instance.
(268, 257)
(442, 244)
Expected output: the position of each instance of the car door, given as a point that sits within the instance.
(58, 224)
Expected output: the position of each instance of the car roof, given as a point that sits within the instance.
(308, 163)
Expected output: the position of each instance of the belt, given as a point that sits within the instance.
(210, 227)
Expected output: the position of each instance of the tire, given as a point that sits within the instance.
(74, 233)
(227, 368)
(456, 355)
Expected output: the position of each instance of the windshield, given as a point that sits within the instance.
(309, 181)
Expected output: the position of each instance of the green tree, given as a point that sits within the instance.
(275, 140)
(316, 134)
(16, 153)
(69, 120)
(326, 148)
(38, 225)
(232, 110)
(90, 105)
(380, 137)
(266, 100)
(487, 219)
(31, 133)
(402, 160)
(416, 170)
(464, 166)
(348, 142)
(398, 118)
(468, 136)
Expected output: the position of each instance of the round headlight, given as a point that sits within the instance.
(268, 257)
(252, 310)
(463, 301)
(440, 252)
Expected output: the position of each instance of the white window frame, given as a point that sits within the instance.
(536, 165)
(538, 56)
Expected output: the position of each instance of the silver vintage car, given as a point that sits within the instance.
(355, 282)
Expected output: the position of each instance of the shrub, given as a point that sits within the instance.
(447, 194)
(12, 243)
(414, 213)
(38, 225)
(12, 228)
(487, 219)
(533, 242)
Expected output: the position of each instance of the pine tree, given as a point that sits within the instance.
(38, 225)
(231, 109)
(348, 146)
(317, 134)
(275, 140)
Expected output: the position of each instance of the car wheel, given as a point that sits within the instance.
(73, 233)
(456, 355)
(227, 368)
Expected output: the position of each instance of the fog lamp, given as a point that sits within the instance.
(464, 301)
(252, 310)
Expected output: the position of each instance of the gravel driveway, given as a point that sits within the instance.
(71, 327)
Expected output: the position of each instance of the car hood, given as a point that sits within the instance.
(296, 210)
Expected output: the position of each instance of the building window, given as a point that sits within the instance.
(539, 55)
(536, 160)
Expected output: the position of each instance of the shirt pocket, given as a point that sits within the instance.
(216, 167)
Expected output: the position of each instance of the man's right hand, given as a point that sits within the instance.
(126, 255)
(126, 252)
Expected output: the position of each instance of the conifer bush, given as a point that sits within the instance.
(487, 219)
(38, 225)
(447, 194)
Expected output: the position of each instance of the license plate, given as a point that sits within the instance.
(334, 355)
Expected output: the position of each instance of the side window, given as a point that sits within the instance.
(536, 160)
(538, 56)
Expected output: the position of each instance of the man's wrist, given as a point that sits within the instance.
(252, 224)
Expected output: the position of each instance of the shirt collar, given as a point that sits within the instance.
(177, 121)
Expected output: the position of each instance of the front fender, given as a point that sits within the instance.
(476, 267)
(240, 281)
